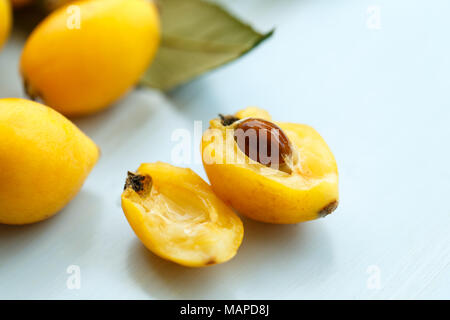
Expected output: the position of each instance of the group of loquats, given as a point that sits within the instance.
(45, 158)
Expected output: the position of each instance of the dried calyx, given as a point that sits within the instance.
(30, 91)
(141, 184)
(329, 208)
(228, 120)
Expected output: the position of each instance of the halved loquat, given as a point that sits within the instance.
(274, 172)
(177, 216)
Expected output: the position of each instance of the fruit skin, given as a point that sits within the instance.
(254, 112)
(199, 230)
(81, 71)
(44, 160)
(5, 21)
(269, 195)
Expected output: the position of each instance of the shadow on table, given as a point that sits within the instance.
(59, 232)
(271, 258)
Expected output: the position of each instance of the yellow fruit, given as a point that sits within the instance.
(178, 217)
(253, 112)
(5, 20)
(44, 160)
(298, 182)
(86, 55)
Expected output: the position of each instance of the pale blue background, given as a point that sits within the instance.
(379, 97)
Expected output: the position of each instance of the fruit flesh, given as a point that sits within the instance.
(79, 71)
(176, 215)
(307, 191)
(5, 21)
(44, 160)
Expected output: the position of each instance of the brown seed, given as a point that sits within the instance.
(262, 141)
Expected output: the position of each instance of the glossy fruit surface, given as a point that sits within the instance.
(86, 55)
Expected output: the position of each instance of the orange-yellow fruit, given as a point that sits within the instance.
(298, 183)
(44, 160)
(5, 21)
(86, 55)
(177, 216)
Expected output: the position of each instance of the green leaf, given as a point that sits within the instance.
(197, 36)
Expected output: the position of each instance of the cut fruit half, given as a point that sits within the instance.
(270, 171)
(177, 216)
